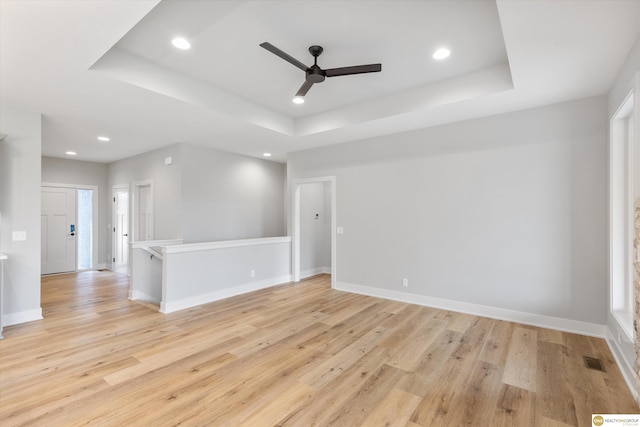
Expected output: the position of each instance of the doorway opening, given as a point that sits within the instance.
(314, 220)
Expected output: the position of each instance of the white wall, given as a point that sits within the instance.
(65, 171)
(20, 206)
(229, 196)
(506, 211)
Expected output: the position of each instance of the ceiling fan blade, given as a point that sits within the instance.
(304, 88)
(356, 69)
(271, 48)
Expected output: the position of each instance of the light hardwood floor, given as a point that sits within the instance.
(292, 355)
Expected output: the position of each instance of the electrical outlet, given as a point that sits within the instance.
(253, 273)
(340, 230)
(405, 282)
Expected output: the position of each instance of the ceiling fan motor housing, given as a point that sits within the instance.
(315, 74)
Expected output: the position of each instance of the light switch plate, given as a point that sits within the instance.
(340, 230)
(19, 235)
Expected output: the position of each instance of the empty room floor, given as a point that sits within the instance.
(291, 355)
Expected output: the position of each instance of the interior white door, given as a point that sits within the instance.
(121, 230)
(58, 222)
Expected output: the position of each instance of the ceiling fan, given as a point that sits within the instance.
(315, 74)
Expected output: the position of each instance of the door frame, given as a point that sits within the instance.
(94, 217)
(295, 238)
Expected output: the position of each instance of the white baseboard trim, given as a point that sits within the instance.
(21, 317)
(171, 306)
(566, 325)
(102, 266)
(141, 296)
(314, 272)
(628, 372)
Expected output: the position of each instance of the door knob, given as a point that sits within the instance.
(124, 235)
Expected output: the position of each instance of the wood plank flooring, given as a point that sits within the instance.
(291, 355)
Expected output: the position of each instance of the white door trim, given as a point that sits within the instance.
(295, 247)
(94, 259)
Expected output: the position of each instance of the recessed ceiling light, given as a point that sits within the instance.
(181, 43)
(103, 138)
(71, 153)
(266, 154)
(298, 100)
(441, 53)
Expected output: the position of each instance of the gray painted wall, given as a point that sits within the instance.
(20, 206)
(166, 187)
(228, 196)
(65, 171)
(207, 194)
(201, 276)
(506, 211)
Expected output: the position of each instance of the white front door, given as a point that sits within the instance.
(58, 230)
(121, 230)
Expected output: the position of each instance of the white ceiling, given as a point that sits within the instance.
(107, 67)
